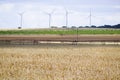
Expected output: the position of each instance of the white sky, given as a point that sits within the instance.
(103, 12)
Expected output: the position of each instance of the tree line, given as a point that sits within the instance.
(117, 26)
(104, 26)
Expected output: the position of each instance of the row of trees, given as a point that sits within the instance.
(93, 26)
(110, 26)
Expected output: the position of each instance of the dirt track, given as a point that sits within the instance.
(63, 38)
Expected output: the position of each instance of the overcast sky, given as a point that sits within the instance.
(102, 11)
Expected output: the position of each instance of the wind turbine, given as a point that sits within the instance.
(66, 15)
(21, 18)
(90, 20)
(50, 16)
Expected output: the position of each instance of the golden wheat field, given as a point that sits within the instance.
(64, 62)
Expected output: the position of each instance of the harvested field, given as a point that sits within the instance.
(59, 62)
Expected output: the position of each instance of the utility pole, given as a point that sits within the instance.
(77, 34)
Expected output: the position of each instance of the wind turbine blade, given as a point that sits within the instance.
(53, 11)
(44, 12)
(66, 10)
(21, 13)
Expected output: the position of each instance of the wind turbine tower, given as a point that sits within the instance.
(50, 16)
(21, 18)
(66, 14)
(90, 20)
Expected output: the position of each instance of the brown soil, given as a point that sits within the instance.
(64, 38)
